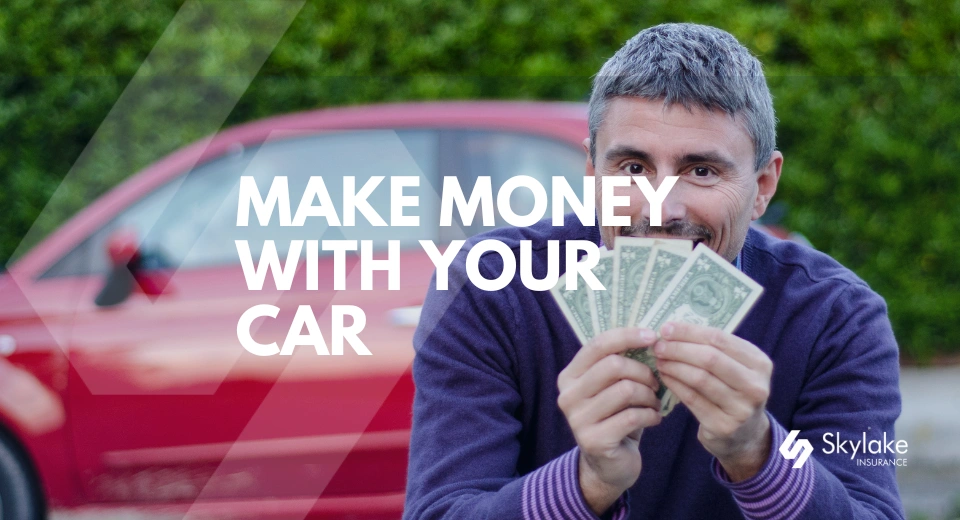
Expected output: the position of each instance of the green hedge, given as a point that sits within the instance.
(867, 94)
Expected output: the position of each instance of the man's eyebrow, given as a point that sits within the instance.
(626, 152)
(707, 157)
(710, 157)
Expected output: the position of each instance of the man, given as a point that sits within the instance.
(514, 419)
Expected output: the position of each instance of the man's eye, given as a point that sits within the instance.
(635, 169)
(701, 171)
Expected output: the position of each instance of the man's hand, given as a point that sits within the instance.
(724, 381)
(608, 399)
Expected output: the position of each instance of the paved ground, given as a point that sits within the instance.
(930, 423)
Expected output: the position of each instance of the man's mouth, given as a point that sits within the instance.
(678, 230)
(660, 236)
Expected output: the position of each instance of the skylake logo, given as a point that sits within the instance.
(802, 449)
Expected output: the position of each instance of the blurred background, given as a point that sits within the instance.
(867, 95)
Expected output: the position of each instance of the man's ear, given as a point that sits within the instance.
(586, 148)
(767, 179)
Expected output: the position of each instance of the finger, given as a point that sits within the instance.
(601, 375)
(626, 423)
(613, 368)
(709, 358)
(703, 409)
(706, 385)
(613, 399)
(613, 341)
(737, 348)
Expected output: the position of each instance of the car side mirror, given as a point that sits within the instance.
(124, 255)
(131, 269)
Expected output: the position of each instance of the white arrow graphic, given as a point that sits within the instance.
(801, 450)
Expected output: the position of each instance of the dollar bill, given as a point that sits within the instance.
(576, 306)
(651, 281)
(636, 285)
(629, 262)
(667, 400)
(707, 290)
(602, 299)
(665, 261)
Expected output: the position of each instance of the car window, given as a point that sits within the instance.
(502, 155)
(191, 221)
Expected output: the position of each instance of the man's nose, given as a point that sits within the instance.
(672, 208)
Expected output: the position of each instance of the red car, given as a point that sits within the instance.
(122, 381)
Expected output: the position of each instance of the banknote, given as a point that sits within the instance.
(665, 261)
(667, 399)
(660, 260)
(602, 299)
(707, 290)
(577, 307)
(651, 281)
(629, 261)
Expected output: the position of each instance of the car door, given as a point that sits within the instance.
(164, 403)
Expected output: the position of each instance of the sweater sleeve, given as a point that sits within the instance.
(464, 444)
(779, 490)
(553, 491)
(851, 393)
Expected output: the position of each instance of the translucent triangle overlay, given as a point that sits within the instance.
(172, 72)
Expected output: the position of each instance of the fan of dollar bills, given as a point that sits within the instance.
(649, 282)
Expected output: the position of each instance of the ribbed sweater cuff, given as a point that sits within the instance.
(779, 490)
(553, 492)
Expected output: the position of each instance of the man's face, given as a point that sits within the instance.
(718, 191)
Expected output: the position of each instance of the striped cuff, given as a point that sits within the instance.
(779, 490)
(553, 492)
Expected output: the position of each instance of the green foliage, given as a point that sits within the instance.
(867, 94)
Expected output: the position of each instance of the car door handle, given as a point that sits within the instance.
(8, 345)
(405, 316)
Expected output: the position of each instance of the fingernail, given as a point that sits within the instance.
(646, 335)
(666, 330)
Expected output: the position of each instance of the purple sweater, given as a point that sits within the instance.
(489, 441)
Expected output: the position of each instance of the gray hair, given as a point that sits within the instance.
(696, 66)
